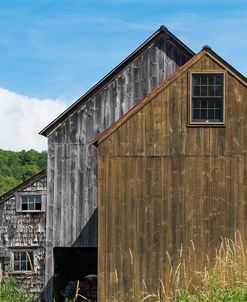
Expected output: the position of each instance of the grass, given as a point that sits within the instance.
(11, 291)
(221, 278)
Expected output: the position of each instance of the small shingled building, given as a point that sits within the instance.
(23, 233)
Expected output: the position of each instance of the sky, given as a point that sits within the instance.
(53, 51)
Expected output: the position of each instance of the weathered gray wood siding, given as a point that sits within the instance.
(72, 161)
(22, 231)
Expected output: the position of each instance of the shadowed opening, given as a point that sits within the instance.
(72, 265)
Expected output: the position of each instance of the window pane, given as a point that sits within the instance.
(211, 103)
(38, 206)
(31, 206)
(218, 90)
(204, 114)
(204, 104)
(196, 114)
(16, 256)
(24, 207)
(23, 266)
(196, 91)
(218, 104)
(24, 199)
(196, 79)
(37, 198)
(219, 115)
(23, 255)
(210, 114)
(211, 90)
(38, 202)
(219, 79)
(196, 103)
(16, 266)
(203, 90)
(211, 79)
(204, 79)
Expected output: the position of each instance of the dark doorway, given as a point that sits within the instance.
(70, 264)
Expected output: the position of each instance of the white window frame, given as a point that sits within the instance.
(206, 123)
(26, 193)
(34, 264)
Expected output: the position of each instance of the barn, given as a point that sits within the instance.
(22, 229)
(171, 171)
(72, 196)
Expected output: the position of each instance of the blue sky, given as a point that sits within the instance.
(57, 49)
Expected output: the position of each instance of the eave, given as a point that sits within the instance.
(205, 51)
(23, 186)
(98, 86)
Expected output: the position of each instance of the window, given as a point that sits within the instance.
(31, 202)
(207, 98)
(23, 261)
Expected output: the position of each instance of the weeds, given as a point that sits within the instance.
(10, 291)
(219, 278)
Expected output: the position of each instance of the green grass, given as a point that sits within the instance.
(11, 291)
(217, 295)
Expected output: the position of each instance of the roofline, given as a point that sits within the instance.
(50, 127)
(205, 51)
(6, 196)
(229, 66)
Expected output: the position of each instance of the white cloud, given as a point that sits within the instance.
(22, 117)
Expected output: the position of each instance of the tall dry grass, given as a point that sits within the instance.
(220, 277)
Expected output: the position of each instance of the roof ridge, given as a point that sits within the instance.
(206, 50)
(86, 96)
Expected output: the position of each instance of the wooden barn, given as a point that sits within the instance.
(22, 231)
(171, 171)
(72, 161)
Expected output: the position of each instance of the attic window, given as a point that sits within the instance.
(31, 202)
(207, 98)
(23, 261)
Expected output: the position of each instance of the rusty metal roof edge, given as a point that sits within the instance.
(205, 50)
(108, 76)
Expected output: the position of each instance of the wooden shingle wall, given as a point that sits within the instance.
(72, 160)
(24, 231)
(163, 184)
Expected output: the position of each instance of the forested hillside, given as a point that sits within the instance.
(15, 167)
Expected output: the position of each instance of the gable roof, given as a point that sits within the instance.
(205, 51)
(6, 196)
(171, 38)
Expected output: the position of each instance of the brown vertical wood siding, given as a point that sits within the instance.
(163, 183)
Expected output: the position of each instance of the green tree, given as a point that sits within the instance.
(16, 167)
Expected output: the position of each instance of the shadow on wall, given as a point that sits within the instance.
(89, 235)
(83, 250)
